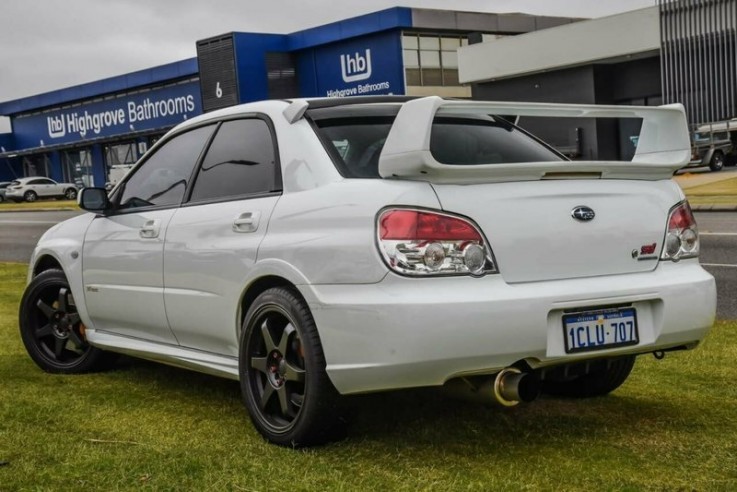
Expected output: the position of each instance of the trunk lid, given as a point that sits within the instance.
(534, 237)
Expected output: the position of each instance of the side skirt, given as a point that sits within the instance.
(208, 363)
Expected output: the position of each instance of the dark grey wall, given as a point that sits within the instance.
(630, 82)
(573, 85)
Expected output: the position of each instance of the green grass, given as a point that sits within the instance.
(673, 425)
(718, 193)
(40, 204)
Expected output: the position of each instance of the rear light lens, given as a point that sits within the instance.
(682, 236)
(423, 243)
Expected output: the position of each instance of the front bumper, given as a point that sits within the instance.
(404, 332)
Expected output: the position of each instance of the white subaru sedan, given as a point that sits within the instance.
(317, 248)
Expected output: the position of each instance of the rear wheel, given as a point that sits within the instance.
(52, 330)
(597, 383)
(285, 387)
(70, 194)
(30, 196)
(717, 161)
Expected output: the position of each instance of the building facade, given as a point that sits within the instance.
(92, 134)
(679, 51)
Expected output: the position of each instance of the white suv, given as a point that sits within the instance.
(314, 248)
(31, 189)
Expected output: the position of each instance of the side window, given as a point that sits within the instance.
(35, 182)
(162, 179)
(240, 162)
(46, 182)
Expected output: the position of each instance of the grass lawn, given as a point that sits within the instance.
(40, 204)
(673, 425)
(719, 193)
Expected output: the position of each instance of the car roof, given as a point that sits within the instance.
(23, 180)
(281, 104)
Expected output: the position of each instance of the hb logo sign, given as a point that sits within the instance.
(356, 67)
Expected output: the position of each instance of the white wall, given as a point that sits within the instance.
(616, 36)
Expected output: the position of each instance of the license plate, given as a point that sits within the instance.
(597, 330)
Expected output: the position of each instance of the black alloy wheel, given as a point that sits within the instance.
(717, 161)
(30, 196)
(70, 194)
(285, 387)
(52, 330)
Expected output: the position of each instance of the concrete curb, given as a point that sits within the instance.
(40, 210)
(714, 208)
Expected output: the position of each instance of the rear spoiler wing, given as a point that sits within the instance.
(663, 146)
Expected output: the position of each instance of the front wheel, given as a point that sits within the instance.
(52, 330)
(717, 161)
(70, 194)
(285, 387)
(597, 383)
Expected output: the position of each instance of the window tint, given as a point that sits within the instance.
(240, 161)
(162, 179)
(357, 136)
(484, 140)
(46, 182)
(358, 142)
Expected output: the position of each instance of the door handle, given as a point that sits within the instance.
(246, 222)
(150, 229)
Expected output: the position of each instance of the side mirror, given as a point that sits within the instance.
(94, 200)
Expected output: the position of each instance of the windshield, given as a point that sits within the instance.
(355, 136)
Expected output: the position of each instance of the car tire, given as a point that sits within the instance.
(2, 198)
(70, 194)
(717, 161)
(52, 331)
(286, 390)
(30, 196)
(597, 383)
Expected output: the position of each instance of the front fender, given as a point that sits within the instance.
(63, 243)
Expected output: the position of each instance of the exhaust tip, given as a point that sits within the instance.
(512, 386)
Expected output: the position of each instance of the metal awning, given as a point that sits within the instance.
(82, 143)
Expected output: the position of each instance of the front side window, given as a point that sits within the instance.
(240, 162)
(162, 179)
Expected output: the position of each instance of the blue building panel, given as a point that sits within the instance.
(121, 83)
(367, 65)
(250, 59)
(393, 18)
(7, 142)
(143, 111)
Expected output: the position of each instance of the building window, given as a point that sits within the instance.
(431, 59)
(36, 165)
(77, 167)
(119, 159)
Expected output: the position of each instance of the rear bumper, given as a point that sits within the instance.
(404, 332)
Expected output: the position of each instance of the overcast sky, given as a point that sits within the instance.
(50, 44)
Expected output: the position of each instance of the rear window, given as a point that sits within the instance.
(355, 136)
(473, 141)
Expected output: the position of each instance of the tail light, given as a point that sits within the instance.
(682, 237)
(424, 243)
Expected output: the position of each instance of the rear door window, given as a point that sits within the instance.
(241, 161)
